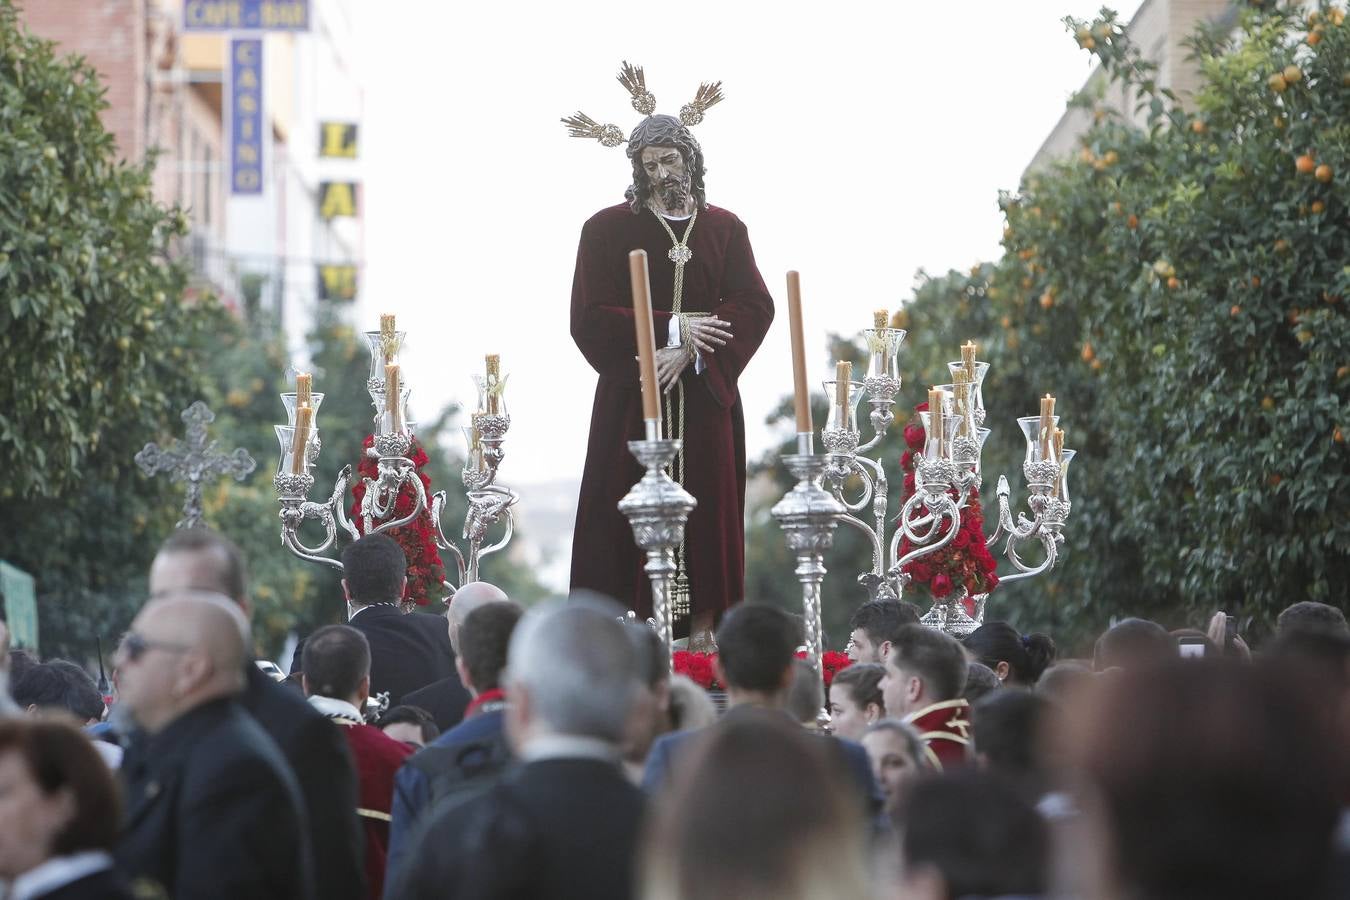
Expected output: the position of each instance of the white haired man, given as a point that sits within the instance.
(572, 676)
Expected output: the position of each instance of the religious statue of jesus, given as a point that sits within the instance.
(710, 310)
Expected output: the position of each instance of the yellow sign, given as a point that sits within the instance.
(337, 282)
(337, 198)
(337, 139)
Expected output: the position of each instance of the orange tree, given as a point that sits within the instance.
(1180, 284)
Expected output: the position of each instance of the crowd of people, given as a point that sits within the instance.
(495, 752)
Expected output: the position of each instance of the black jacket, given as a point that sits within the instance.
(212, 811)
(321, 761)
(446, 700)
(104, 885)
(407, 652)
(554, 829)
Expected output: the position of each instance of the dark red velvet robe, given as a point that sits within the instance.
(721, 278)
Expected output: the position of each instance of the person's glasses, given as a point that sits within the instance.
(134, 646)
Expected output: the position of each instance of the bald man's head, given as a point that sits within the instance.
(466, 600)
(184, 649)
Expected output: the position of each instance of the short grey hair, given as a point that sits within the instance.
(578, 667)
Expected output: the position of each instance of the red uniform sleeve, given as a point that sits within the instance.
(602, 307)
(746, 304)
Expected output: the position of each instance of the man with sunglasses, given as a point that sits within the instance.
(212, 808)
(198, 559)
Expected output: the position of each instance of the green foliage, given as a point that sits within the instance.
(91, 332)
(1180, 287)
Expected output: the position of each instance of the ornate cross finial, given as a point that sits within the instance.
(194, 462)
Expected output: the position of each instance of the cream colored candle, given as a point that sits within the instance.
(935, 416)
(304, 383)
(646, 339)
(304, 415)
(801, 398)
(493, 365)
(881, 318)
(1047, 424)
(843, 374)
(392, 387)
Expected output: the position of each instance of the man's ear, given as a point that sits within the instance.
(194, 669)
(913, 688)
(884, 648)
(363, 693)
(463, 671)
(1002, 670)
(346, 591)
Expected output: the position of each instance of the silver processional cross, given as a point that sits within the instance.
(194, 462)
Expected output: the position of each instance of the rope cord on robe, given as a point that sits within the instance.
(679, 254)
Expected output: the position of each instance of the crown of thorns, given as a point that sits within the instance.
(581, 125)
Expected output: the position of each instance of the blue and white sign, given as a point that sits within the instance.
(246, 116)
(246, 15)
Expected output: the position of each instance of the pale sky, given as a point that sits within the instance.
(858, 142)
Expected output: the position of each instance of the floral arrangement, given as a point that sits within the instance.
(832, 662)
(426, 573)
(965, 562)
(698, 667)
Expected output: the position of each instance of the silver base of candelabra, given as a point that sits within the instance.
(808, 515)
(658, 509)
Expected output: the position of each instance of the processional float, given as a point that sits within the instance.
(489, 503)
(948, 475)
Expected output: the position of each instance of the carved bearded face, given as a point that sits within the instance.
(669, 177)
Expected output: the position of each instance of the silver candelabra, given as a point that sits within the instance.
(808, 515)
(658, 509)
(489, 502)
(947, 475)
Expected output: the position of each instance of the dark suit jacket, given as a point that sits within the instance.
(553, 829)
(850, 755)
(212, 811)
(319, 758)
(446, 700)
(407, 652)
(105, 885)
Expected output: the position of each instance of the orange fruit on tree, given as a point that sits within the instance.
(1305, 164)
(1047, 300)
(1132, 222)
(1117, 208)
(1323, 173)
(1281, 246)
(1111, 157)
(1267, 403)
(1173, 283)
(1342, 372)
(1088, 353)
(1277, 83)
(1292, 74)
(1096, 365)
(1234, 310)
(1337, 436)
(1314, 39)
(1318, 207)
(1256, 281)
(1198, 126)
(1279, 123)
(1275, 480)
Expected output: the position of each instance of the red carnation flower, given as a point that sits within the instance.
(907, 459)
(941, 585)
(914, 436)
(922, 407)
(962, 539)
(920, 572)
